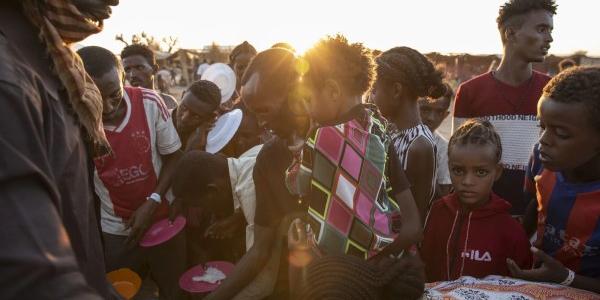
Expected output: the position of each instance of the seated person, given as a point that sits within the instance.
(564, 175)
(433, 112)
(196, 113)
(470, 232)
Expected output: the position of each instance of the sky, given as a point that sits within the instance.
(446, 26)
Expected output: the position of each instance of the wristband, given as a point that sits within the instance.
(569, 278)
(154, 197)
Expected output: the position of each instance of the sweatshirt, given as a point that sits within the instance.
(460, 242)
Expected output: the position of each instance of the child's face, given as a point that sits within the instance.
(322, 100)
(567, 138)
(473, 171)
(434, 111)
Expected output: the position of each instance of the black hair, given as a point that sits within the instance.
(98, 61)
(275, 65)
(347, 277)
(334, 57)
(284, 45)
(243, 48)
(516, 8)
(196, 170)
(565, 64)
(413, 70)
(139, 49)
(207, 92)
(477, 132)
(578, 85)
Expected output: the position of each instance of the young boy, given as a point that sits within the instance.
(470, 232)
(132, 182)
(564, 173)
(433, 113)
(224, 191)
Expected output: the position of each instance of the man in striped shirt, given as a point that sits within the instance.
(132, 182)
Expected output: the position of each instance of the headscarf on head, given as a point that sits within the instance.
(60, 24)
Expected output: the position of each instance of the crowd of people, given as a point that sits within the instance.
(333, 184)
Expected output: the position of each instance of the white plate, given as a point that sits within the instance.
(224, 130)
(223, 76)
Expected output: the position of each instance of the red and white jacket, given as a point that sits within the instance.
(459, 242)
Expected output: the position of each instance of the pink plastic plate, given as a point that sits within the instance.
(187, 284)
(162, 231)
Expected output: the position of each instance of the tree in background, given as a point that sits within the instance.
(166, 44)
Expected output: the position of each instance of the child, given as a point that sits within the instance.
(565, 175)
(341, 169)
(470, 232)
(433, 112)
(226, 192)
(404, 75)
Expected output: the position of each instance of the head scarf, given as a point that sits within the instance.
(60, 24)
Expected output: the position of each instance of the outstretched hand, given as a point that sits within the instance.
(551, 269)
(139, 222)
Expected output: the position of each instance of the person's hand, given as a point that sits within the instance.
(297, 236)
(223, 229)
(139, 222)
(551, 269)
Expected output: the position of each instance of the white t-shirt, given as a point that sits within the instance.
(443, 174)
(242, 186)
(124, 179)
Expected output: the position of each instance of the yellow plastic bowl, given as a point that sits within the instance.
(126, 282)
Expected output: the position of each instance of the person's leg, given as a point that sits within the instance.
(117, 255)
(168, 261)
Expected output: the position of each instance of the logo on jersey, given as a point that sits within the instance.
(476, 255)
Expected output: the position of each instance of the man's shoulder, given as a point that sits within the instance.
(272, 152)
(13, 72)
(476, 81)
(152, 101)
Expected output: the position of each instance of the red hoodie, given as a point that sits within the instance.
(474, 243)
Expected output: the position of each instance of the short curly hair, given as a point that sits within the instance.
(351, 64)
(514, 8)
(477, 132)
(578, 85)
(141, 50)
(207, 92)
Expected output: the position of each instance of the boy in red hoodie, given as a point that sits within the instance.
(470, 232)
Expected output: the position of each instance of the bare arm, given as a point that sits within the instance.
(420, 172)
(249, 266)
(411, 231)
(166, 173)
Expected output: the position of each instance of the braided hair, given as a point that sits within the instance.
(207, 92)
(352, 278)
(413, 70)
(243, 48)
(578, 85)
(477, 132)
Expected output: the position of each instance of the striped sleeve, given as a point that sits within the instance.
(167, 139)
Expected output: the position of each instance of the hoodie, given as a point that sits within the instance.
(459, 242)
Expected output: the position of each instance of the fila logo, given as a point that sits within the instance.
(476, 256)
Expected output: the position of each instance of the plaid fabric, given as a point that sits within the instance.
(341, 172)
(61, 23)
